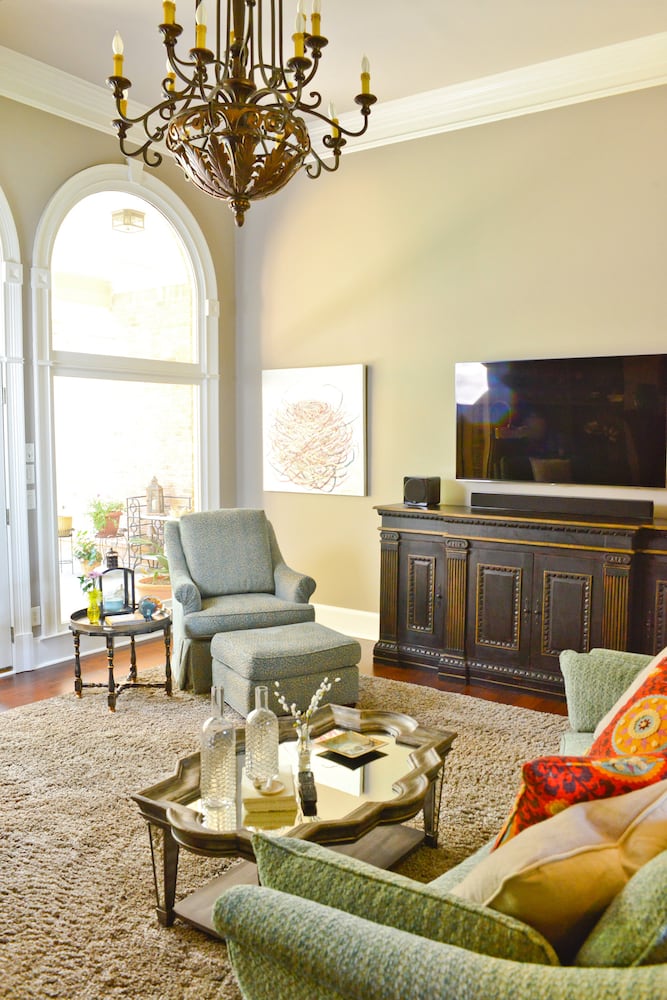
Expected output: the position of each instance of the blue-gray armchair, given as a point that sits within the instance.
(227, 573)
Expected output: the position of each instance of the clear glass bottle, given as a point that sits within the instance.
(261, 741)
(217, 781)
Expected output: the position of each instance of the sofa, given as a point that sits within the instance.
(325, 926)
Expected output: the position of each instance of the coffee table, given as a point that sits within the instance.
(361, 805)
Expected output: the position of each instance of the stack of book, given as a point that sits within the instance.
(273, 810)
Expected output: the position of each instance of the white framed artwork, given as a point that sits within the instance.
(314, 430)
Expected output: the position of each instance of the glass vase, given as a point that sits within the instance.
(94, 602)
(217, 783)
(261, 741)
(304, 746)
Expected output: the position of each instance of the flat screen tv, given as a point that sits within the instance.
(593, 421)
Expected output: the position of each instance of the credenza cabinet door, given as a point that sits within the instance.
(421, 594)
(500, 585)
(566, 608)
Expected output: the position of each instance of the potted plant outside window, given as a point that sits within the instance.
(87, 551)
(105, 515)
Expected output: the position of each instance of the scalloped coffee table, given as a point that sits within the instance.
(361, 805)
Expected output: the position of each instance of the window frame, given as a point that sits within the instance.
(48, 362)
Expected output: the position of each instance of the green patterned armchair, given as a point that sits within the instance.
(227, 573)
(324, 926)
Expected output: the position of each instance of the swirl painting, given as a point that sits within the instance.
(314, 430)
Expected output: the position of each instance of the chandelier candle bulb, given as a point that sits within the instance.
(315, 21)
(171, 77)
(200, 27)
(169, 12)
(365, 76)
(117, 48)
(123, 104)
(332, 115)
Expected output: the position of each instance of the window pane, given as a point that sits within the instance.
(119, 292)
(111, 439)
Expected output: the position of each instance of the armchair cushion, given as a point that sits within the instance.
(560, 875)
(325, 876)
(239, 539)
(233, 612)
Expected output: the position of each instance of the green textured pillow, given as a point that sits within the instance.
(325, 876)
(633, 929)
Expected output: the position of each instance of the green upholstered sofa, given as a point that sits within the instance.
(324, 926)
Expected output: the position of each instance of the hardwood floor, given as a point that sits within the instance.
(37, 685)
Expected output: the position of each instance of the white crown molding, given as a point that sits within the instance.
(586, 76)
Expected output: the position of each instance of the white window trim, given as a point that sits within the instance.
(131, 179)
(12, 359)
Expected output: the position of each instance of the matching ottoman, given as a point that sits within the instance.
(300, 656)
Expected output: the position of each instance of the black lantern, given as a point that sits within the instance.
(117, 586)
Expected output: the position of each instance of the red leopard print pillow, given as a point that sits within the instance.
(551, 784)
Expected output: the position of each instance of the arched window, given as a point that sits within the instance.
(127, 374)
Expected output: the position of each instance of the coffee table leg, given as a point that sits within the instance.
(78, 686)
(111, 697)
(167, 658)
(165, 894)
(432, 811)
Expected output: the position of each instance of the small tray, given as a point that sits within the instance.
(351, 744)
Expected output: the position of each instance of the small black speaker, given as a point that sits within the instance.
(421, 491)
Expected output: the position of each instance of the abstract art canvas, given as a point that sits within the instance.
(314, 430)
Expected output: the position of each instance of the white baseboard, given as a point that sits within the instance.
(358, 624)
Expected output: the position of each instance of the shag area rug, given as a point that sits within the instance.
(77, 916)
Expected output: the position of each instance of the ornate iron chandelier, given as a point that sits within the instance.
(233, 115)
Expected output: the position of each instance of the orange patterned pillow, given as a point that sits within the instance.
(551, 784)
(639, 724)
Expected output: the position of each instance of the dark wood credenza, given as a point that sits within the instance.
(495, 595)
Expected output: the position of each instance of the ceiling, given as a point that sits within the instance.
(413, 45)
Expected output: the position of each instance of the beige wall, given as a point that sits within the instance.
(537, 236)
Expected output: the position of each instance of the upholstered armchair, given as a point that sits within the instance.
(227, 573)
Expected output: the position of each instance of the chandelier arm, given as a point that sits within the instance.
(150, 156)
(314, 169)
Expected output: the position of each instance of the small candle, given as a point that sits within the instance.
(117, 49)
(200, 27)
(365, 76)
(332, 115)
(171, 77)
(169, 12)
(315, 17)
(299, 31)
(123, 104)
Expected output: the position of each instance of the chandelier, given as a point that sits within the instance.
(233, 115)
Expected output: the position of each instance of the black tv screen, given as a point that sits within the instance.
(594, 421)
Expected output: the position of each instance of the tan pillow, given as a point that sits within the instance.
(560, 875)
(627, 694)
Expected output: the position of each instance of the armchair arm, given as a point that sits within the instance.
(284, 946)
(595, 681)
(289, 585)
(183, 587)
(292, 586)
